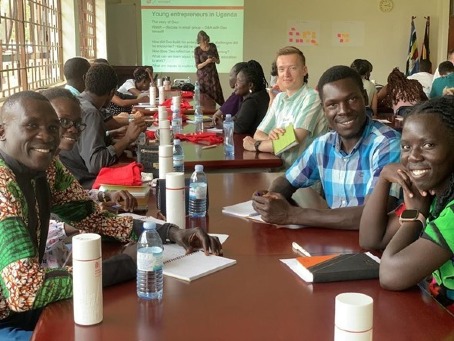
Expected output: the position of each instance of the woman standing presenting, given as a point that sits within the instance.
(206, 57)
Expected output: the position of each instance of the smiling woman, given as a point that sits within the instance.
(67, 107)
(421, 242)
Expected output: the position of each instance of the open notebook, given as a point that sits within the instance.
(192, 266)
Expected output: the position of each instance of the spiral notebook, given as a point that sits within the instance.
(192, 266)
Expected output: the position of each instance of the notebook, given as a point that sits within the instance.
(192, 266)
(333, 268)
(285, 141)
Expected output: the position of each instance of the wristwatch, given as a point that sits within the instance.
(256, 145)
(412, 215)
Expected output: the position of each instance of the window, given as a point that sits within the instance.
(87, 28)
(30, 39)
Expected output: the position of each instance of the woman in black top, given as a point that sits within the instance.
(251, 84)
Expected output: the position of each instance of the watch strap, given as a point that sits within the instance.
(420, 218)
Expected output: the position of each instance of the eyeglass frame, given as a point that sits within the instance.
(80, 126)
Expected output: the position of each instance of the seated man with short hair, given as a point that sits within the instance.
(34, 184)
(94, 149)
(74, 71)
(446, 79)
(347, 160)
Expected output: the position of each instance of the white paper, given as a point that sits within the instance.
(195, 265)
(215, 130)
(245, 210)
(292, 263)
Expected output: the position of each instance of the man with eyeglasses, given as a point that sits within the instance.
(94, 149)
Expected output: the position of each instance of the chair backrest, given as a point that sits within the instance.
(402, 110)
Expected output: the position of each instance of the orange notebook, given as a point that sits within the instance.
(343, 267)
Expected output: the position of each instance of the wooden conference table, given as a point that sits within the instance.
(259, 298)
(214, 160)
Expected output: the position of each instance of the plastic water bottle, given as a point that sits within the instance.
(229, 147)
(141, 139)
(198, 193)
(176, 122)
(198, 118)
(178, 156)
(197, 93)
(149, 263)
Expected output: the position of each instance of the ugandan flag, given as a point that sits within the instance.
(412, 58)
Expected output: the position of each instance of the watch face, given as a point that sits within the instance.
(409, 214)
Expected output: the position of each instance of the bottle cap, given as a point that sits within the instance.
(199, 168)
(149, 225)
(228, 117)
(86, 246)
(176, 141)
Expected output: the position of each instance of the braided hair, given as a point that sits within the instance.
(253, 72)
(443, 107)
(400, 87)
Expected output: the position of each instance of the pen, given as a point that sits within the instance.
(208, 147)
(298, 248)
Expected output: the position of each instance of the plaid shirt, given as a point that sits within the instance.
(347, 178)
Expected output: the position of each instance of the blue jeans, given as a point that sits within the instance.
(19, 327)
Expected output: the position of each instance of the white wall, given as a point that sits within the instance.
(385, 46)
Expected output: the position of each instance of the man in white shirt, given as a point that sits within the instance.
(424, 76)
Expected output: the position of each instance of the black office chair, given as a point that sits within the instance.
(403, 110)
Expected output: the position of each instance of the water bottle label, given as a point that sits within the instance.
(198, 191)
(149, 258)
(178, 163)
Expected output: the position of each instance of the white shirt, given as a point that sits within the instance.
(425, 79)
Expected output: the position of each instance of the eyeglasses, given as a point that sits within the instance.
(66, 124)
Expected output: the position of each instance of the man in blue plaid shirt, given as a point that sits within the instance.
(347, 160)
